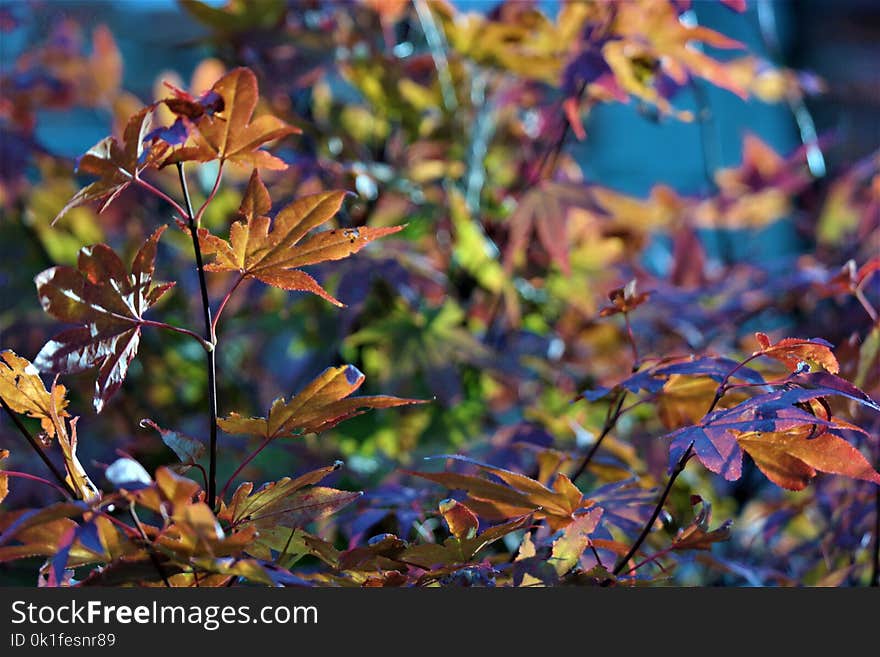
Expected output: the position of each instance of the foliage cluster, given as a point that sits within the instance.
(583, 405)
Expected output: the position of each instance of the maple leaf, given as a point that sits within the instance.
(545, 561)
(51, 535)
(624, 300)
(287, 502)
(322, 404)
(518, 496)
(117, 165)
(652, 37)
(236, 16)
(544, 209)
(653, 379)
(789, 433)
(464, 543)
(230, 134)
(791, 460)
(462, 522)
(271, 252)
(76, 475)
(794, 351)
(23, 391)
(108, 303)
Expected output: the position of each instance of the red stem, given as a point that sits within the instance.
(59, 476)
(242, 465)
(632, 343)
(204, 206)
(162, 195)
(25, 475)
(207, 346)
(223, 306)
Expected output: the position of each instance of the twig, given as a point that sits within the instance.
(30, 477)
(211, 195)
(149, 547)
(211, 355)
(39, 450)
(679, 467)
(875, 565)
(222, 307)
(434, 37)
(162, 195)
(205, 344)
(242, 465)
(610, 421)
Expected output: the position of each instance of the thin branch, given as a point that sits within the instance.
(610, 421)
(205, 344)
(875, 551)
(59, 476)
(434, 37)
(679, 467)
(155, 191)
(723, 387)
(634, 348)
(151, 550)
(30, 477)
(204, 206)
(654, 557)
(211, 355)
(242, 465)
(803, 118)
(222, 307)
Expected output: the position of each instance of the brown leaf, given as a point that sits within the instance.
(117, 165)
(697, 535)
(456, 550)
(521, 494)
(108, 303)
(322, 404)
(230, 134)
(624, 300)
(794, 351)
(286, 503)
(270, 250)
(462, 522)
(791, 459)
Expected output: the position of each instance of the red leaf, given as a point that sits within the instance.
(108, 303)
(794, 351)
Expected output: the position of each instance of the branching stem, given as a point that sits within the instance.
(211, 360)
(679, 467)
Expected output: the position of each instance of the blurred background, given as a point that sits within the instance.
(734, 186)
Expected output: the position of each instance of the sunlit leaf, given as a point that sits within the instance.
(794, 351)
(322, 404)
(108, 304)
(272, 251)
(231, 133)
(117, 165)
(23, 390)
